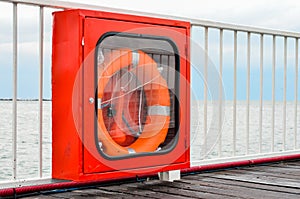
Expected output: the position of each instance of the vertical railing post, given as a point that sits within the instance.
(248, 90)
(273, 92)
(261, 81)
(296, 94)
(205, 89)
(15, 84)
(284, 96)
(41, 60)
(234, 90)
(220, 92)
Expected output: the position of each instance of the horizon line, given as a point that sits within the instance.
(25, 99)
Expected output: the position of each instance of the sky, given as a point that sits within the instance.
(281, 15)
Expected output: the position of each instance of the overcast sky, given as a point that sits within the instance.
(276, 14)
(282, 15)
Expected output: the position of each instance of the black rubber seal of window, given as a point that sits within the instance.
(177, 92)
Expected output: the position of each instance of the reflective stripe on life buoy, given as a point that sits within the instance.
(157, 99)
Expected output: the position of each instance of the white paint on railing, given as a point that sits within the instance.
(205, 89)
(296, 94)
(220, 112)
(234, 90)
(248, 90)
(273, 92)
(261, 82)
(41, 75)
(284, 96)
(15, 84)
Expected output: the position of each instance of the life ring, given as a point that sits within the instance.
(157, 95)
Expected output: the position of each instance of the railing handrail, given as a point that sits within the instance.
(193, 21)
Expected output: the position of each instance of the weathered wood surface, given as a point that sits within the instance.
(277, 180)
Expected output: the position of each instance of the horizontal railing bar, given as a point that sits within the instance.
(243, 158)
(27, 182)
(243, 28)
(193, 21)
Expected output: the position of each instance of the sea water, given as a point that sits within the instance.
(28, 138)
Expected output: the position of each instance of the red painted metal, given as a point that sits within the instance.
(74, 153)
(73, 184)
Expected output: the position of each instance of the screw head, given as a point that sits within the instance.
(91, 100)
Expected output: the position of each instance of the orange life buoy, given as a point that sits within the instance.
(156, 91)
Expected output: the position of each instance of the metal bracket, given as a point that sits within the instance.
(169, 176)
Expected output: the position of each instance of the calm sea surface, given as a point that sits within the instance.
(28, 134)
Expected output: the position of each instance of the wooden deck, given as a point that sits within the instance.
(276, 180)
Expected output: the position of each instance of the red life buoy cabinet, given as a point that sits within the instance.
(144, 131)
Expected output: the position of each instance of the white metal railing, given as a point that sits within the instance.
(248, 34)
(227, 146)
(15, 64)
(15, 80)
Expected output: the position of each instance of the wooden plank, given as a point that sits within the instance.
(271, 173)
(205, 191)
(121, 189)
(80, 193)
(295, 163)
(162, 187)
(281, 172)
(239, 191)
(98, 192)
(41, 197)
(68, 194)
(154, 194)
(219, 191)
(256, 179)
(84, 193)
(289, 172)
(290, 165)
(283, 164)
(275, 174)
(252, 185)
